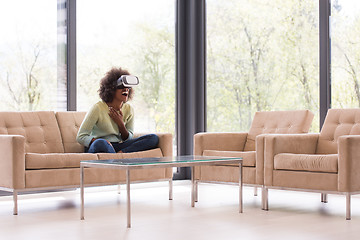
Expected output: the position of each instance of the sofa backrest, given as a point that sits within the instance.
(40, 129)
(338, 122)
(69, 123)
(297, 121)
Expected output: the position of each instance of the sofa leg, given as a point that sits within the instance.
(348, 206)
(15, 197)
(255, 191)
(264, 195)
(324, 198)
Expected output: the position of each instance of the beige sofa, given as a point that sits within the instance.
(244, 145)
(328, 162)
(39, 151)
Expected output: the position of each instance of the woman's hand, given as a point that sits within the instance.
(116, 116)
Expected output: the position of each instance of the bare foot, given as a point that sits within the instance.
(120, 151)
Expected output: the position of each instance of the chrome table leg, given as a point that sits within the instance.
(192, 187)
(240, 188)
(128, 208)
(196, 190)
(170, 189)
(82, 192)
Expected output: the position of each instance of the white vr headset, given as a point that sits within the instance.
(127, 81)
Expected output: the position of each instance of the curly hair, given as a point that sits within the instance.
(108, 84)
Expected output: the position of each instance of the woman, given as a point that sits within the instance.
(108, 126)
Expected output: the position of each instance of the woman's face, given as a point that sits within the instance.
(122, 94)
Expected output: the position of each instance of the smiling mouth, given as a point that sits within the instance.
(125, 94)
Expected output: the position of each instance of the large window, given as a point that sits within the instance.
(261, 55)
(28, 55)
(345, 48)
(137, 35)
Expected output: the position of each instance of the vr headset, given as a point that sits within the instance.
(127, 81)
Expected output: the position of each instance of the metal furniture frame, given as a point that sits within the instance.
(265, 200)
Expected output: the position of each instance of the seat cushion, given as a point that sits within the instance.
(72, 160)
(143, 154)
(248, 157)
(56, 160)
(306, 162)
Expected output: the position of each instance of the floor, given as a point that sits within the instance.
(291, 215)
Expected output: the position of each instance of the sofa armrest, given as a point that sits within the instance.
(286, 143)
(349, 163)
(260, 151)
(166, 144)
(219, 141)
(12, 161)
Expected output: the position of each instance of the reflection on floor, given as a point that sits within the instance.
(292, 215)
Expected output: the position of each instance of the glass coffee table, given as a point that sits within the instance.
(163, 162)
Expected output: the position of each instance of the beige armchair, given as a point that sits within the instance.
(328, 162)
(244, 145)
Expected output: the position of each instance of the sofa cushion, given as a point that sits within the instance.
(57, 160)
(248, 157)
(338, 122)
(40, 129)
(69, 123)
(298, 121)
(142, 154)
(306, 162)
(94, 176)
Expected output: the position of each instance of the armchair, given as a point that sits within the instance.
(328, 162)
(244, 145)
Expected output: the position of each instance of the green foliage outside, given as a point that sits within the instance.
(262, 56)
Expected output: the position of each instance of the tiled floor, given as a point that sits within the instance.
(292, 215)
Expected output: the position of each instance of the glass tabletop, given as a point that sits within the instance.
(175, 159)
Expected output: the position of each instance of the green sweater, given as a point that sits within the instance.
(98, 124)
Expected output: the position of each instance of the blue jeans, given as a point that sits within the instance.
(142, 143)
